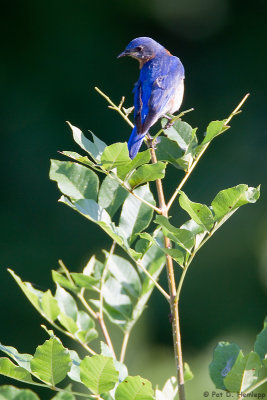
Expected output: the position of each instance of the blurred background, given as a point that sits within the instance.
(53, 53)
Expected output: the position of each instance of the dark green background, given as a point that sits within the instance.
(53, 53)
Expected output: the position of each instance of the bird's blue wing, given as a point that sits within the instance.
(155, 88)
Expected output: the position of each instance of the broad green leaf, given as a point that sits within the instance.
(49, 306)
(8, 392)
(200, 213)
(135, 215)
(116, 297)
(126, 274)
(23, 360)
(74, 180)
(224, 357)
(169, 390)
(198, 231)
(143, 157)
(98, 373)
(33, 295)
(86, 326)
(244, 373)
(230, 199)
(74, 372)
(51, 362)
(64, 396)
(95, 149)
(169, 150)
(91, 210)
(214, 129)
(261, 342)
(114, 156)
(7, 368)
(134, 388)
(66, 303)
(147, 173)
(111, 195)
(182, 237)
(77, 157)
(120, 367)
(64, 282)
(188, 374)
(84, 281)
(183, 134)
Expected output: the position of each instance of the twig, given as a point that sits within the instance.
(176, 332)
(100, 316)
(165, 294)
(116, 108)
(124, 345)
(188, 173)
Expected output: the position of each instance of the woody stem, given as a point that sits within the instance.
(176, 333)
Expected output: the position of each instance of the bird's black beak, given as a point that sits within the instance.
(123, 54)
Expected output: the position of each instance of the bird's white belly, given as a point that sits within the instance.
(175, 103)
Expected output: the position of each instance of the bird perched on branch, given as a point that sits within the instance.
(159, 90)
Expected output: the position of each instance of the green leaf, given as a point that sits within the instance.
(183, 134)
(8, 392)
(146, 173)
(66, 303)
(184, 238)
(84, 281)
(124, 272)
(49, 306)
(230, 199)
(135, 215)
(188, 374)
(169, 390)
(74, 372)
(214, 129)
(86, 326)
(7, 368)
(261, 342)
(64, 282)
(120, 367)
(98, 373)
(134, 388)
(63, 396)
(117, 298)
(77, 157)
(224, 357)
(95, 149)
(168, 150)
(200, 213)
(244, 373)
(114, 156)
(111, 195)
(74, 180)
(33, 295)
(51, 362)
(23, 360)
(91, 210)
(143, 157)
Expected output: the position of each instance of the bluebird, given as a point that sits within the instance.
(159, 89)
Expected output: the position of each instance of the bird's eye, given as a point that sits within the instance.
(139, 48)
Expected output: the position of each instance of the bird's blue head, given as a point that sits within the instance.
(142, 49)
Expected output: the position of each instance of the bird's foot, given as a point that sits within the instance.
(169, 121)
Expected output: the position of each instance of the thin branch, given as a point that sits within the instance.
(116, 108)
(176, 332)
(165, 294)
(124, 345)
(188, 173)
(100, 316)
(86, 305)
(249, 390)
(67, 273)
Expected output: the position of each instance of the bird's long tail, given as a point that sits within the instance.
(135, 142)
